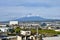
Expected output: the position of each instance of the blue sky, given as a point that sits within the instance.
(12, 9)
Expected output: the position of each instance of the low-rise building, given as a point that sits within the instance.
(25, 33)
(4, 29)
(13, 23)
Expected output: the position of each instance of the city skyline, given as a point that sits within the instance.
(12, 9)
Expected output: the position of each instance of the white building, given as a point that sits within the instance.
(4, 29)
(52, 38)
(25, 32)
(13, 23)
(2, 25)
(57, 30)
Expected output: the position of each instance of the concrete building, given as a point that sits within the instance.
(13, 23)
(57, 30)
(19, 38)
(4, 29)
(29, 25)
(1, 25)
(52, 38)
(25, 33)
(8, 38)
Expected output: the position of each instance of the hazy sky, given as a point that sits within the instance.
(12, 9)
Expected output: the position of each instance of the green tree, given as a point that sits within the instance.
(17, 30)
(0, 29)
(43, 24)
(11, 30)
(7, 25)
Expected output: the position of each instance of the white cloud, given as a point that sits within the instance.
(11, 9)
(23, 11)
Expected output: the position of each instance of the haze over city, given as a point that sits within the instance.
(12, 9)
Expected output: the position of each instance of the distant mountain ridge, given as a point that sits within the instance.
(31, 18)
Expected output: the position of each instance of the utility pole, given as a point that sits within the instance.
(37, 33)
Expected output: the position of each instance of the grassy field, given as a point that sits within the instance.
(46, 32)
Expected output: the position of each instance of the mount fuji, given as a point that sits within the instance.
(31, 18)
